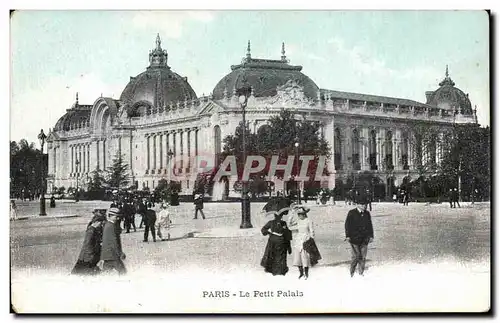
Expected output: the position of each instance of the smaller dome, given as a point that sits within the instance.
(449, 97)
(76, 117)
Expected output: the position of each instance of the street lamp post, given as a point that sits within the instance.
(244, 93)
(42, 138)
(77, 162)
(297, 167)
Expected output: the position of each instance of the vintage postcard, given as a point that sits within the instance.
(250, 161)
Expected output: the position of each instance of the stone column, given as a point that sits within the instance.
(177, 140)
(93, 155)
(411, 150)
(148, 153)
(196, 136)
(84, 158)
(105, 147)
(160, 153)
(72, 160)
(397, 145)
(379, 150)
(189, 150)
(344, 145)
(329, 136)
(365, 143)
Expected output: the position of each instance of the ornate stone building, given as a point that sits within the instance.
(159, 117)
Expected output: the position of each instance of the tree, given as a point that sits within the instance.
(25, 168)
(467, 156)
(96, 189)
(164, 189)
(278, 138)
(117, 175)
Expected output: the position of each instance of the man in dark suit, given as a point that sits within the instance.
(149, 222)
(359, 233)
(129, 216)
(111, 251)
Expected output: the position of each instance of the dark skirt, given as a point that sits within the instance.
(274, 259)
(85, 268)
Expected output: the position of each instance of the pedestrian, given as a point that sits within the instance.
(13, 210)
(456, 197)
(369, 196)
(128, 216)
(90, 253)
(302, 233)
(475, 195)
(278, 244)
(52, 201)
(112, 254)
(164, 221)
(198, 206)
(450, 197)
(359, 233)
(141, 209)
(406, 198)
(149, 222)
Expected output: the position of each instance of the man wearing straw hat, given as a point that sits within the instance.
(111, 251)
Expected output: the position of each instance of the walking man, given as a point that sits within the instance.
(112, 255)
(359, 233)
(149, 222)
(198, 206)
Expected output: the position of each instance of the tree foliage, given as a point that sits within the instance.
(278, 138)
(96, 188)
(117, 175)
(164, 189)
(468, 155)
(26, 168)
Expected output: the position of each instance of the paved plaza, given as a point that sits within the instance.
(435, 250)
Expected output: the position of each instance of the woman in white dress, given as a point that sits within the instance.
(302, 232)
(163, 222)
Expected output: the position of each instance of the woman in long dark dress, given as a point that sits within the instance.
(91, 249)
(274, 259)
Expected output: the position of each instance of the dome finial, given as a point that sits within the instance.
(249, 55)
(283, 57)
(158, 41)
(447, 80)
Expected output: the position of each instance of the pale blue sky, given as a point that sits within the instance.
(394, 53)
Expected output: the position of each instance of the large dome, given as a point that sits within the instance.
(449, 97)
(264, 76)
(158, 85)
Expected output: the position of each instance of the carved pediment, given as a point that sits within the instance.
(211, 108)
